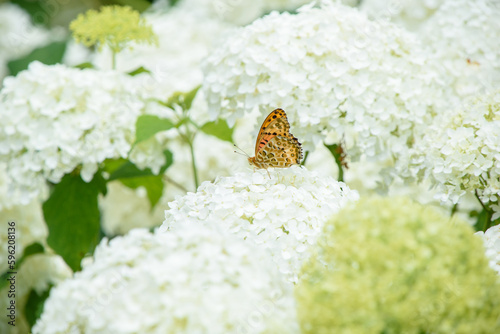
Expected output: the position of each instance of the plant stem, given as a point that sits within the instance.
(113, 60)
(193, 162)
(305, 158)
(181, 187)
(189, 139)
(487, 210)
(341, 170)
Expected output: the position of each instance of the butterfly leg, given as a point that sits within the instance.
(267, 170)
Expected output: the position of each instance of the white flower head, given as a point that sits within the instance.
(283, 213)
(463, 38)
(192, 280)
(118, 219)
(28, 222)
(56, 118)
(333, 71)
(410, 14)
(460, 152)
(237, 12)
(491, 240)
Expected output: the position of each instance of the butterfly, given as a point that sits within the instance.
(276, 146)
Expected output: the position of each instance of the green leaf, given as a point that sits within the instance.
(128, 170)
(84, 65)
(72, 216)
(34, 248)
(34, 306)
(184, 100)
(219, 129)
(138, 70)
(148, 125)
(49, 54)
(153, 185)
(111, 165)
(131, 176)
(169, 160)
(37, 10)
(173, 2)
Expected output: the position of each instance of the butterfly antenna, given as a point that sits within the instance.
(244, 153)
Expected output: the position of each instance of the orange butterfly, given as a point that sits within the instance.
(276, 146)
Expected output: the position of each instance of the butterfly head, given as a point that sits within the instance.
(251, 161)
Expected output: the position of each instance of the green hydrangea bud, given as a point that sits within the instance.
(394, 266)
(115, 26)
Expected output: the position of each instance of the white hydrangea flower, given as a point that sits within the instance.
(76, 54)
(283, 213)
(56, 118)
(460, 152)
(234, 11)
(491, 240)
(407, 13)
(334, 72)
(463, 38)
(193, 280)
(118, 219)
(29, 224)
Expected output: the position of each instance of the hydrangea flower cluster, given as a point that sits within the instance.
(491, 240)
(234, 12)
(388, 265)
(193, 280)
(407, 13)
(282, 212)
(335, 72)
(30, 226)
(460, 152)
(118, 219)
(462, 37)
(56, 118)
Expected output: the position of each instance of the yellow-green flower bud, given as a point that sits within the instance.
(115, 26)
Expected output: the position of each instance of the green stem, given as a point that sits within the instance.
(341, 170)
(193, 163)
(181, 187)
(489, 213)
(305, 158)
(113, 60)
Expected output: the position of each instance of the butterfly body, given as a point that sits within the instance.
(276, 146)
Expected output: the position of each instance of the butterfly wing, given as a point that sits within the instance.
(275, 124)
(281, 152)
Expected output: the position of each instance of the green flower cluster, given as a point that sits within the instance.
(115, 26)
(394, 266)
